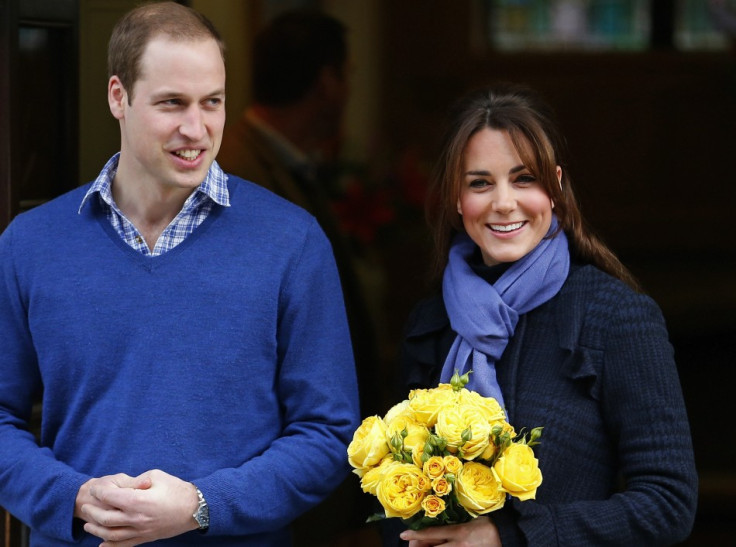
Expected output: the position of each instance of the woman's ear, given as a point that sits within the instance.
(558, 170)
(459, 207)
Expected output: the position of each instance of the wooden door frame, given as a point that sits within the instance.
(13, 15)
(8, 119)
(10, 528)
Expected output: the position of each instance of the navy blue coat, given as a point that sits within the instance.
(595, 368)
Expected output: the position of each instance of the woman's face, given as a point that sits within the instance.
(505, 210)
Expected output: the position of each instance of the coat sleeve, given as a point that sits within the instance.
(634, 379)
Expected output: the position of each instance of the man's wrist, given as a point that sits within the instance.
(81, 499)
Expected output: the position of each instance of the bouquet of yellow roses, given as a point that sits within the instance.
(444, 456)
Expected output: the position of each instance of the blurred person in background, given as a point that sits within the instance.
(288, 140)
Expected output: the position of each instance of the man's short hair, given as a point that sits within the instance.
(289, 53)
(138, 27)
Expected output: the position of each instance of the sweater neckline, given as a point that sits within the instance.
(149, 262)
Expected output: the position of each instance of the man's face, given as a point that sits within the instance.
(172, 128)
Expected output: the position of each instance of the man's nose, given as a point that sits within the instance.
(192, 125)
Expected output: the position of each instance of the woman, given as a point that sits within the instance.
(553, 324)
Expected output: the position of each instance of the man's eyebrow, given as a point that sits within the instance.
(165, 94)
(170, 93)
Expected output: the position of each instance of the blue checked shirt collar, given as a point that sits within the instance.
(197, 207)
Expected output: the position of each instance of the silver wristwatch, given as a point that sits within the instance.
(202, 515)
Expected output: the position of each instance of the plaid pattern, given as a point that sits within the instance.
(198, 205)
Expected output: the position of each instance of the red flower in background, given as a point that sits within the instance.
(367, 208)
(362, 212)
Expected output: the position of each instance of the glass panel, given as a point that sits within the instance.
(704, 25)
(516, 25)
(46, 161)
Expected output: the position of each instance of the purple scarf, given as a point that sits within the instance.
(485, 316)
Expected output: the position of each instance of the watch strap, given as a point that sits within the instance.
(202, 514)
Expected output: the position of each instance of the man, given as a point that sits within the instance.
(287, 140)
(185, 328)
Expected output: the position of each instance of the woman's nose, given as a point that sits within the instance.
(504, 199)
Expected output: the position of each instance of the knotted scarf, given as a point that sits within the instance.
(484, 316)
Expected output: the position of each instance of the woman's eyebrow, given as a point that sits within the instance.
(484, 173)
(480, 173)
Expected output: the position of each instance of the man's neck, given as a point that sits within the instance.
(149, 207)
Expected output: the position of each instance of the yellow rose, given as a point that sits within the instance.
(433, 506)
(426, 403)
(454, 422)
(453, 464)
(368, 446)
(505, 427)
(518, 470)
(478, 489)
(487, 405)
(402, 489)
(434, 467)
(397, 410)
(498, 428)
(371, 478)
(416, 456)
(417, 433)
(424, 483)
(441, 486)
(489, 452)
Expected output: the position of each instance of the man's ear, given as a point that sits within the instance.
(117, 97)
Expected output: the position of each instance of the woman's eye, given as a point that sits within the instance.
(525, 179)
(478, 183)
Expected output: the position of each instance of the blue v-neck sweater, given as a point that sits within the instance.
(225, 361)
